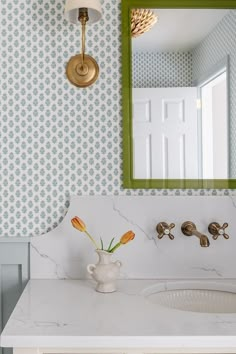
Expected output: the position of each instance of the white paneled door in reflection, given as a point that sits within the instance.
(165, 133)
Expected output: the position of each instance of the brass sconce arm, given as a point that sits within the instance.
(83, 18)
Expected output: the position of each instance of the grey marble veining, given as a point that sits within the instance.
(70, 314)
(64, 253)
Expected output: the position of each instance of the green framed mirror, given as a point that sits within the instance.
(179, 94)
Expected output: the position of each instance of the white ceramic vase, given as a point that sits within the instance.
(105, 272)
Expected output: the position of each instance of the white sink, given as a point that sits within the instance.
(205, 297)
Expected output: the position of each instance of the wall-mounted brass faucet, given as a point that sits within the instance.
(216, 230)
(189, 229)
(164, 229)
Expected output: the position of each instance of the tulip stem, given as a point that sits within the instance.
(109, 247)
(92, 239)
(115, 247)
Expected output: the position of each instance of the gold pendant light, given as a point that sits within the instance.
(142, 20)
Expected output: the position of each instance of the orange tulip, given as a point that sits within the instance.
(128, 236)
(78, 224)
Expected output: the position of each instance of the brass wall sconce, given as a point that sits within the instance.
(82, 70)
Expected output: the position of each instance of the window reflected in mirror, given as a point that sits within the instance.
(184, 94)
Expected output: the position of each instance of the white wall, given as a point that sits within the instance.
(219, 43)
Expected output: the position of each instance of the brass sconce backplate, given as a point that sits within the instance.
(82, 74)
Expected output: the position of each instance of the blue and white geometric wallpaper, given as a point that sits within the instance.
(58, 140)
(154, 69)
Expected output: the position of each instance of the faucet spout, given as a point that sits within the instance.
(204, 241)
(189, 229)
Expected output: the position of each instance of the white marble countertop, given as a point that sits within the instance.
(69, 313)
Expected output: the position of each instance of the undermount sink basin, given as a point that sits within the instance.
(194, 296)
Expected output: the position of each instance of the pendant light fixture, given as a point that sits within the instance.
(142, 20)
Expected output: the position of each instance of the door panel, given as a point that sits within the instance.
(165, 137)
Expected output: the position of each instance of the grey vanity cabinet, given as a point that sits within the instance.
(14, 275)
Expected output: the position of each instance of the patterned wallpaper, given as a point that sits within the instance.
(162, 69)
(58, 140)
(219, 43)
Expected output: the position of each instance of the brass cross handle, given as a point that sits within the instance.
(216, 230)
(164, 229)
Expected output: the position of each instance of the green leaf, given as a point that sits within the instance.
(110, 244)
(101, 244)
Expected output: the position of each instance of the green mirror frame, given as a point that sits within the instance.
(128, 180)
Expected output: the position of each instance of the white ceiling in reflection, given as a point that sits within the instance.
(178, 29)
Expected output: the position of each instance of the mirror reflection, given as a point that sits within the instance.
(184, 94)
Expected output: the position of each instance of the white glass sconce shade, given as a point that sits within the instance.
(72, 10)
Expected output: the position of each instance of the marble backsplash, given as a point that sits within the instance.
(65, 252)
